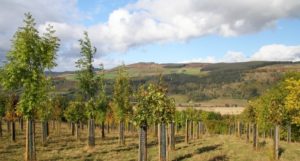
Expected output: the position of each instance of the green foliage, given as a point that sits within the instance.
(164, 109)
(179, 118)
(11, 107)
(250, 113)
(121, 94)
(45, 109)
(102, 101)
(57, 104)
(2, 104)
(277, 106)
(88, 81)
(292, 100)
(27, 60)
(144, 106)
(153, 105)
(75, 111)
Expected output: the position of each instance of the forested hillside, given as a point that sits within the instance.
(195, 82)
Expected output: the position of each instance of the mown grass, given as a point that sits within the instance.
(64, 146)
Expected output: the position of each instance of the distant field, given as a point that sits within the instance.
(221, 102)
(64, 147)
(221, 110)
(220, 105)
(148, 71)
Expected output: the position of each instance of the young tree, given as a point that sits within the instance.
(143, 116)
(163, 113)
(27, 60)
(2, 111)
(45, 111)
(277, 113)
(11, 113)
(272, 105)
(109, 116)
(75, 113)
(251, 115)
(102, 104)
(58, 107)
(88, 84)
(292, 100)
(121, 101)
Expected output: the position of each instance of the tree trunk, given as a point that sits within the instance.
(192, 130)
(143, 143)
(276, 142)
(128, 127)
(102, 130)
(289, 131)
(77, 126)
(255, 136)
(162, 142)
(30, 141)
(47, 128)
(13, 131)
(238, 129)
(73, 128)
(1, 134)
(198, 130)
(21, 124)
(44, 132)
(177, 128)
(121, 133)
(91, 139)
(155, 130)
(8, 126)
(53, 125)
(271, 133)
(59, 126)
(108, 127)
(248, 133)
(186, 131)
(172, 136)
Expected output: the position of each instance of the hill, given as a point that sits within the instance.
(197, 82)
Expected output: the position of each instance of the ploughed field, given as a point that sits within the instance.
(63, 146)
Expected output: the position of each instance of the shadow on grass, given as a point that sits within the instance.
(199, 151)
(182, 157)
(262, 144)
(281, 151)
(179, 139)
(208, 148)
(219, 158)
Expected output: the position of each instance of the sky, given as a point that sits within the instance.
(162, 31)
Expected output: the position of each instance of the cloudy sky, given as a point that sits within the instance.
(163, 31)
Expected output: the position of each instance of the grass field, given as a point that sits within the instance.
(147, 71)
(63, 146)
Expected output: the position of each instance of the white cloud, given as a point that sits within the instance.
(234, 56)
(273, 52)
(209, 59)
(146, 21)
(277, 52)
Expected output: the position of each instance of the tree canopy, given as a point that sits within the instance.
(27, 60)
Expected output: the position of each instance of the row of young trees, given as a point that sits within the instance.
(29, 95)
(31, 92)
(277, 107)
(24, 73)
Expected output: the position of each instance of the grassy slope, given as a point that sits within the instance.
(208, 148)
